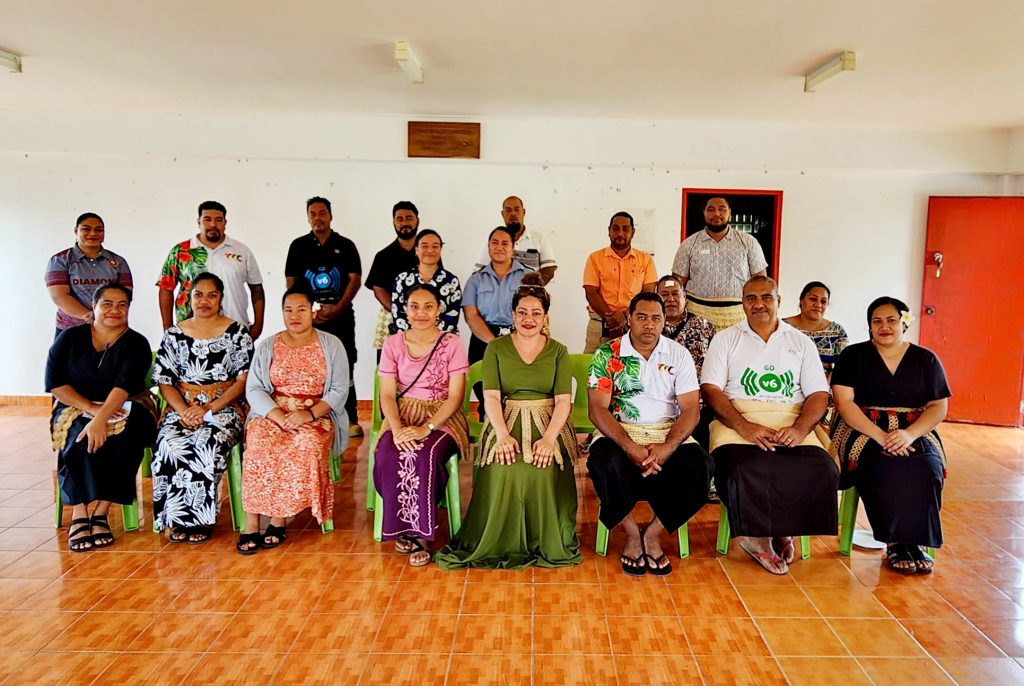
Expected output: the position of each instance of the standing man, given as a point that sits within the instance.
(765, 382)
(643, 397)
(694, 333)
(713, 264)
(611, 277)
(397, 257)
(212, 251)
(330, 263)
(531, 247)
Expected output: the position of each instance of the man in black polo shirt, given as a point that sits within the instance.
(399, 256)
(330, 263)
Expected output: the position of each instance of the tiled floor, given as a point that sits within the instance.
(341, 608)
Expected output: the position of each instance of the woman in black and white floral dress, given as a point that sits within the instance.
(201, 368)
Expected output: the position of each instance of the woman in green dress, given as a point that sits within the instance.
(523, 510)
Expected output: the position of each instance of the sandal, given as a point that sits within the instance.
(421, 561)
(77, 542)
(202, 532)
(405, 545)
(654, 564)
(923, 562)
(246, 540)
(633, 566)
(772, 563)
(179, 534)
(102, 540)
(272, 531)
(787, 551)
(897, 553)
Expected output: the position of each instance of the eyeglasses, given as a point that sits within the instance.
(535, 291)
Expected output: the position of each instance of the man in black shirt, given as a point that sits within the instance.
(399, 256)
(330, 263)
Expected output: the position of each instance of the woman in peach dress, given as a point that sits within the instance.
(296, 390)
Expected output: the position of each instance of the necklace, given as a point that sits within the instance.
(107, 345)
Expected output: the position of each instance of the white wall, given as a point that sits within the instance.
(853, 209)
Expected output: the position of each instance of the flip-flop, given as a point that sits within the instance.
(788, 547)
(900, 553)
(417, 547)
(654, 563)
(920, 556)
(765, 560)
(405, 545)
(633, 566)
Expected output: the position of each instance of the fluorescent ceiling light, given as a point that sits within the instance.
(408, 62)
(10, 61)
(844, 61)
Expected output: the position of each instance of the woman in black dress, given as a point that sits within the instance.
(99, 435)
(891, 394)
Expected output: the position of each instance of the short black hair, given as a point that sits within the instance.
(110, 286)
(323, 201)
(426, 232)
(812, 285)
(89, 215)
(626, 215)
(648, 297)
(503, 229)
(210, 276)
(667, 277)
(761, 278)
(400, 205)
(300, 287)
(212, 205)
(900, 306)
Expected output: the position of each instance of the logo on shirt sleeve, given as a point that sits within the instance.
(769, 382)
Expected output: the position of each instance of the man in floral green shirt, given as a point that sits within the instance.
(643, 397)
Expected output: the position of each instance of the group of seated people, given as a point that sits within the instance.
(776, 466)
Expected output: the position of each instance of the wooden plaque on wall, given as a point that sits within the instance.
(444, 139)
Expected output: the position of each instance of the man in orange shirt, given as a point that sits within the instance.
(611, 277)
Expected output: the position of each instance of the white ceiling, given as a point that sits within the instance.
(932, 64)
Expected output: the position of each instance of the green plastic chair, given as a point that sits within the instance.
(473, 377)
(450, 500)
(377, 419)
(848, 521)
(129, 513)
(724, 535)
(580, 405)
(601, 545)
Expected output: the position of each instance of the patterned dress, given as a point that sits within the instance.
(284, 472)
(829, 341)
(451, 299)
(694, 333)
(188, 463)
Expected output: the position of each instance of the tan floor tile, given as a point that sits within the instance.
(567, 599)
(494, 634)
(483, 598)
(490, 670)
(40, 565)
(68, 595)
(236, 669)
(11, 661)
(821, 572)
(914, 601)
(570, 635)
(743, 571)
(139, 595)
(719, 670)
(875, 638)
(695, 570)
(188, 632)
(111, 565)
(776, 601)
(97, 631)
(723, 636)
(846, 602)
(288, 596)
(331, 633)
(589, 670)
(402, 633)
(405, 670)
(905, 672)
(427, 597)
(308, 668)
(950, 638)
(1008, 634)
(33, 630)
(823, 671)
(800, 637)
(13, 592)
(710, 600)
(311, 567)
(152, 669)
(259, 633)
(648, 635)
(356, 596)
(61, 668)
(657, 670)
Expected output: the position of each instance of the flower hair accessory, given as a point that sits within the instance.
(316, 307)
(906, 318)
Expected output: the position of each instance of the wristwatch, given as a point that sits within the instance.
(431, 426)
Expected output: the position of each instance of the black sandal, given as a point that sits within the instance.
(179, 534)
(102, 540)
(76, 542)
(247, 539)
(899, 553)
(204, 533)
(633, 566)
(277, 532)
(923, 562)
(654, 563)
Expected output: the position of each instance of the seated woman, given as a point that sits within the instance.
(429, 270)
(829, 337)
(103, 414)
(422, 382)
(201, 368)
(890, 395)
(523, 510)
(296, 390)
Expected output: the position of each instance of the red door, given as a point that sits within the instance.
(973, 306)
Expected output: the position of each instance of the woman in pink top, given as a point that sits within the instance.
(422, 382)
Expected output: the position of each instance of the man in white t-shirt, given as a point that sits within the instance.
(531, 247)
(211, 250)
(764, 380)
(643, 399)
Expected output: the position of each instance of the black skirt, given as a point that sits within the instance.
(675, 494)
(788, 492)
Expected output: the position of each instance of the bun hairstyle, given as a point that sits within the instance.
(427, 287)
(299, 288)
(901, 308)
(532, 287)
